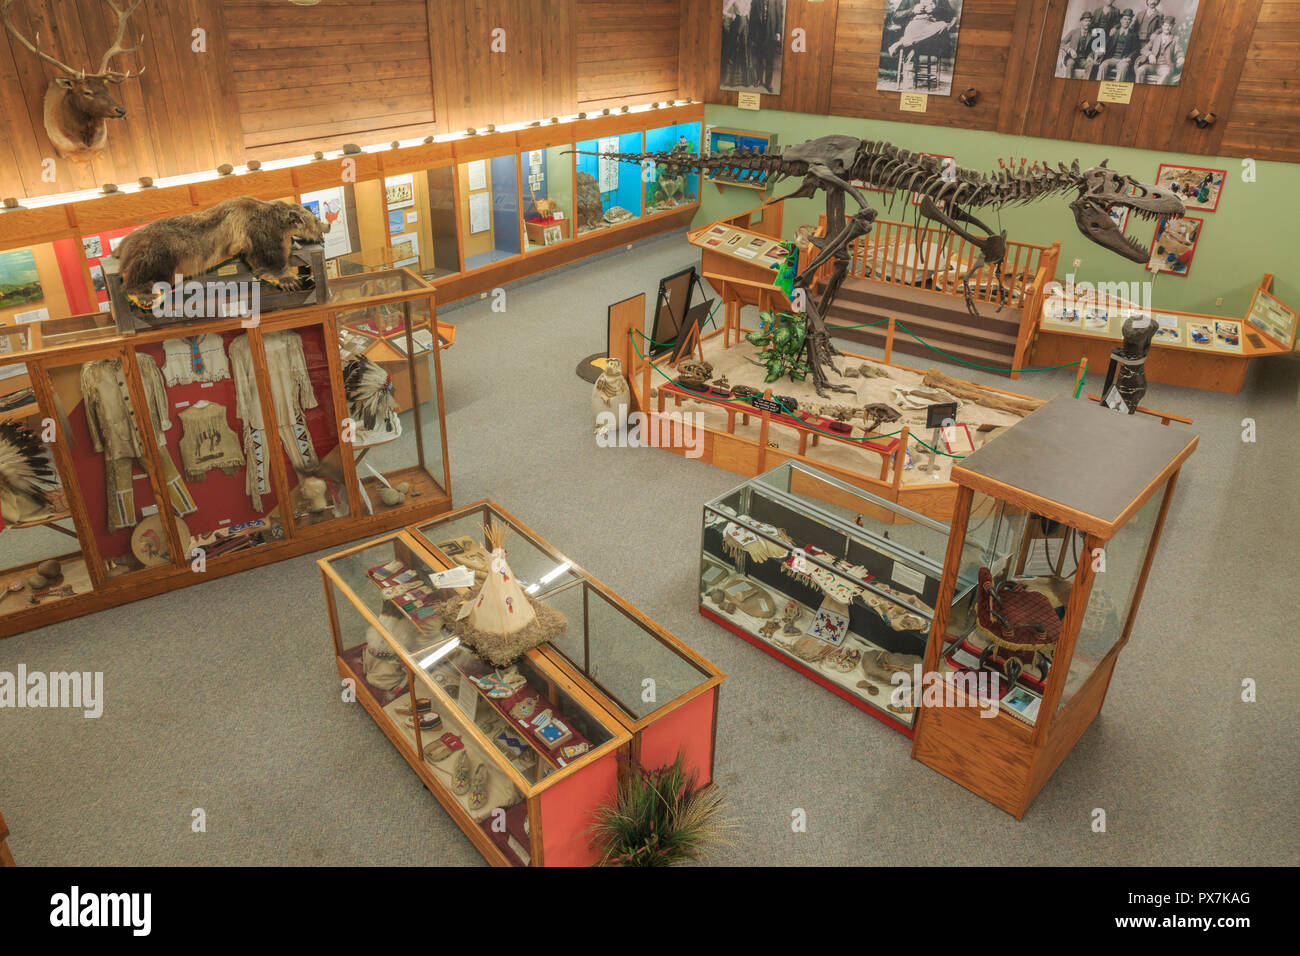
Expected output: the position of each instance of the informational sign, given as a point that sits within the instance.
(608, 172)
(1272, 318)
(913, 102)
(477, 172)
(330, 206)
(749, 101)
(480, 212)
(1111, 92)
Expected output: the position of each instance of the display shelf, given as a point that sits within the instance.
(723, 140)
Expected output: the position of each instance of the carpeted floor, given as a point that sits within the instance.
(224, 698)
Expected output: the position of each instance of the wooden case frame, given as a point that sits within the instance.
(43, 362)
(1002, 759)
(565, 798)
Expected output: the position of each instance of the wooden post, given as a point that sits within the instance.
(900, 459)
(889, 342)
(1079, 379)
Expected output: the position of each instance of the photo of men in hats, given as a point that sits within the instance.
(1128, 41)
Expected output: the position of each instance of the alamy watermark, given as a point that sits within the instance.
(684, 430)
(977, 689)
(1105, 295)
(234, 298)
(72, 690)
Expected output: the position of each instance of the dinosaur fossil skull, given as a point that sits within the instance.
(1101, 189)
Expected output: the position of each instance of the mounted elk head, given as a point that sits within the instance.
(79, 104)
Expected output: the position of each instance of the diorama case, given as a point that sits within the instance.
(832, 580)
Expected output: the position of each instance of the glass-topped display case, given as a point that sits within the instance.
(835, 581)
(522, 751)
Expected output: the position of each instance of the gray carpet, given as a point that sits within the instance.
(224, 696)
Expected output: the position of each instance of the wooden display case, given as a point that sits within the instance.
(722, 140)
(258, 505)
(1086, 481)
(538, 806)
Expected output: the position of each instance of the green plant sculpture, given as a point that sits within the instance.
(782, 336)
(660, 818)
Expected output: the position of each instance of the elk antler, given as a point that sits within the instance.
(35, 47)
(116, 49)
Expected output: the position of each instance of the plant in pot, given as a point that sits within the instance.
(660, 818)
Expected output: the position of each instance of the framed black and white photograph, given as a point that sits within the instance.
(752, 39)
(918, 46)
(1141, 41)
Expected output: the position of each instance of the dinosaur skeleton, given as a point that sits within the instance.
(834, 163)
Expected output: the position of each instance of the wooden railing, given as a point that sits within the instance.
(933, 258)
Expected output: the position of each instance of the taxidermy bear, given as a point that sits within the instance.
(261, 232)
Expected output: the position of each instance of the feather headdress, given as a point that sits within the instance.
(369, 391)
(25, 467)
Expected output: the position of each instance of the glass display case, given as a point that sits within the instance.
(666, 188)
(203, 447)
(521, 754)
(609, 191)
(547, 177)
(1056, 593)
(490, 227)
(838, 583)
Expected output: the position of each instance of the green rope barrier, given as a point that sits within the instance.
(983, 368)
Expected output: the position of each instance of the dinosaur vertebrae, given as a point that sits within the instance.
(885, 166)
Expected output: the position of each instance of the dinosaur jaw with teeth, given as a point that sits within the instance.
(1092, 214)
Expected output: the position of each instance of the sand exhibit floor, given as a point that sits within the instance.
(736, 364)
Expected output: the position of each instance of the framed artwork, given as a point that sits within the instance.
(1168, 329)
(20, 283)
(406, 252)
(1200, 334)
(918, 46)
(752, 47)
(1197, 188)
(1119, 215)
(1227, 335)
(92, 246)
(399, 191)
(1174, 245)
(1139, 41)
(396, 222)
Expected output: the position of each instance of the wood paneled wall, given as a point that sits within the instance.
(1156, 117)
(277, 80)
(626, 50)
(181, 114)
(362, 71)
(534, 76)
(806, 79)
(1265, 118)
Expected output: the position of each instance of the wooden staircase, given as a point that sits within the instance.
(987, 339)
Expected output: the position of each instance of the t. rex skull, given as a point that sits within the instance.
(1100, 190)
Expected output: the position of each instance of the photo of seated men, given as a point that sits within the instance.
(1141, 41)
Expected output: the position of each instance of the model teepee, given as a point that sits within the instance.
(501, 606)
(501, 621)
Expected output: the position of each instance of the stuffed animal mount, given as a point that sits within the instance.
(78, 104)
(261, 233)
(610, 398)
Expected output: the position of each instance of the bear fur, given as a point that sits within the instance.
(190, 244)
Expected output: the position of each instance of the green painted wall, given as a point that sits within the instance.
(1255, 230)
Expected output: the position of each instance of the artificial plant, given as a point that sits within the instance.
(660, 818)
(781, 336)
